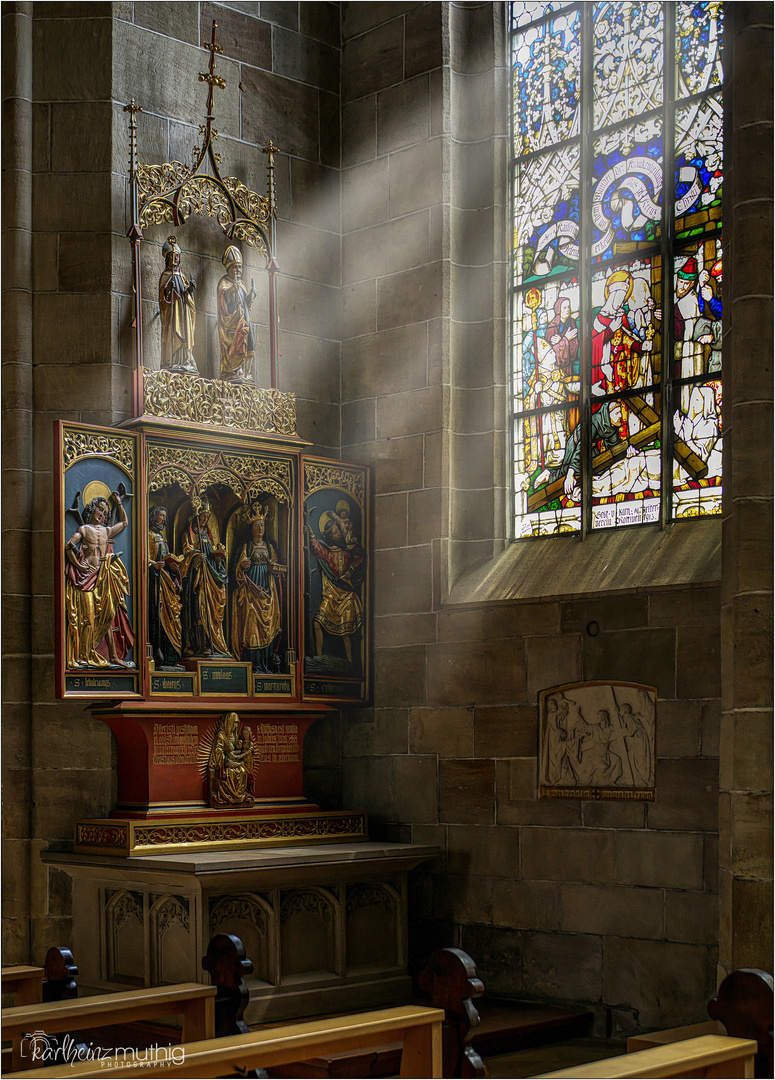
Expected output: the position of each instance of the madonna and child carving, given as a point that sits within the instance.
(598, 741)
(230, 780)
(99, 630)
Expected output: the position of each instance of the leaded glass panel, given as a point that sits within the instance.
(522, 14)
(698, 46)
(699, 144)
(627, 193)
(616, 350)
(697, 430)
(546, 214)
(628, 60)
(546, 75)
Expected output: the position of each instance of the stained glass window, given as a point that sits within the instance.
(616, 263)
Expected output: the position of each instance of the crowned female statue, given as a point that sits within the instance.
(256, 610)
(235, 333)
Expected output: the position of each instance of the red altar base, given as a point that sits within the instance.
(162, 783)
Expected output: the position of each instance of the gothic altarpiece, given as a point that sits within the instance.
(214, 601)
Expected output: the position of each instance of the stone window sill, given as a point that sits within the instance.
(621, 560)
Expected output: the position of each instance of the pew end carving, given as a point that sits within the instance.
(451, 982)
(61, 972)
(744, 1005)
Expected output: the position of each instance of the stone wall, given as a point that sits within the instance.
(610, 905)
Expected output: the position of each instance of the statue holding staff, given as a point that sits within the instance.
(178, 313)
(235, 333)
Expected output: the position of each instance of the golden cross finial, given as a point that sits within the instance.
(271, 148)
(132, 108)
(209, 76)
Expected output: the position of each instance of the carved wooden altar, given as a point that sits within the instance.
(213, 601)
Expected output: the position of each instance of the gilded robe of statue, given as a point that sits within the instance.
(235, 333)
(178, 313)
(342, 569)
(99, 632)
(164, 588)
(204, 590)
(256, 611)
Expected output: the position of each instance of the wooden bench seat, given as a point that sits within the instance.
(671, 1035)
(25, 982)
(418, 1028)
(708, 1056)
(193, 1001)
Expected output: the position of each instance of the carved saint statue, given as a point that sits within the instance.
(234, 330)
(230, 764)
(178, 313)
(164, 588)
(99, 632)
(256, 610)
(342, 565)
(204, 585)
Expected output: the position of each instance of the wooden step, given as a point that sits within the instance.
(517, 1025)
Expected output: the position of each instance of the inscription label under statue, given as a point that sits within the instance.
(224, 678)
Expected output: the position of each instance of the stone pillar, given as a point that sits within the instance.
(745, 817)
(17, 471)
(476, 461)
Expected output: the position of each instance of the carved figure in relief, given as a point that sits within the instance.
(256, 624)
(235, 333)
(204, 585)
(99, 632)
(164, 594)
(342, 571)
(230, 765)
(178, 312)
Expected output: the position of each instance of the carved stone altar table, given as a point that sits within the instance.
(325, 925)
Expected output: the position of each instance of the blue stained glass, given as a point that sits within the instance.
(604, 369)
(627, 195)
(699, 31)
(546, 69)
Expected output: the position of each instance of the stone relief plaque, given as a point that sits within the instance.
(598, 741)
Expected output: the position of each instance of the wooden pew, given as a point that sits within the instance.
(416, 1027)
(709, 1056)
(25, 982)
(742, 1008)
(194, 1001)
